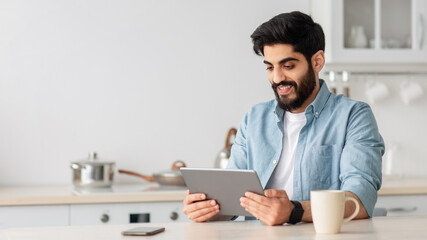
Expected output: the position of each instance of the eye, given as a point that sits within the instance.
(269, 68)
(288, 66)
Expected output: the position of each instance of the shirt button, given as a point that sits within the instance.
(274, 162)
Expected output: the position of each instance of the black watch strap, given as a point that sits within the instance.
(296, 214)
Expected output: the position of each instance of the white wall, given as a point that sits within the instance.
(143, 83)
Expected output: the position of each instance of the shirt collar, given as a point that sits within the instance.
(319, 102)
(315, 107)
(278, 111)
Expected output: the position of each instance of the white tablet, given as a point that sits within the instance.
(226, 186)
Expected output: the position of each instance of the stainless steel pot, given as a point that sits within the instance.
(92, 172)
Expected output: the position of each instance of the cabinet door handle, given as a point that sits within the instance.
(105, 218)
(421, 26)
(173, 216)
(402, 209)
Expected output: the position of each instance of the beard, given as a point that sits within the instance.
(303, 91)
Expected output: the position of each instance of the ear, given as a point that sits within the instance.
(318, 61)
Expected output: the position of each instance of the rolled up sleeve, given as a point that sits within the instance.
(360, 168)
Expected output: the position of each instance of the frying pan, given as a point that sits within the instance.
(172, 177)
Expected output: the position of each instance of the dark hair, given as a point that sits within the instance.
(295, 28)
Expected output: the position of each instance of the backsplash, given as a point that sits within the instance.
(143, 83)
(399, 102)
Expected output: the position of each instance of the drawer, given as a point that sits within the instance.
(94, 214)
(34, 216)
(403, 205)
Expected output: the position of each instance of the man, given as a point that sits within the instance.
(305, 139)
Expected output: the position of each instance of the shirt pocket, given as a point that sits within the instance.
(323, 166)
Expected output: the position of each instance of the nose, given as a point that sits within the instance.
(278, 75)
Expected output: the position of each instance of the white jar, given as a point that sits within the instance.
(358, 37)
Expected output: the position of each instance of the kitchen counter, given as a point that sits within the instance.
(376, 228)
(56, 195)
(125, 193)
(403, 186)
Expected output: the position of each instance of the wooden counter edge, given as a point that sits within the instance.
(92, 199)
(402, 191)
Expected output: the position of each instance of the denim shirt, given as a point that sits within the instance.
(339, 147)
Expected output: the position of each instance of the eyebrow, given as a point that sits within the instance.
(283, 60)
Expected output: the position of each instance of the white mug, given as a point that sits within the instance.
(327, 210)
(410, 91)
(376, 91)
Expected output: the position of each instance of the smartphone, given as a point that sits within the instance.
(143, 231)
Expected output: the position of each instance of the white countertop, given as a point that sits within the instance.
(403, 186)
(51, 195)
(376, 228)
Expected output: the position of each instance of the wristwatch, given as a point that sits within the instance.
(296, 214)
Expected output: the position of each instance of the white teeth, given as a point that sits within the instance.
(284, 87)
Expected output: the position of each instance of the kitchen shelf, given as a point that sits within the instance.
(373, 32)
(377, 68)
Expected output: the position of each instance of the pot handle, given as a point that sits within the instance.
(178, 164)
(231, 132)
(147, 178)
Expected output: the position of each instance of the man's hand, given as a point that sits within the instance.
(272, 209)
(198, 209)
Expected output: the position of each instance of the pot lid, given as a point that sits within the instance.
(93, 160)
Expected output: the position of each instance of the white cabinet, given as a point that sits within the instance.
(90, 214)
(33, 216)
(123, 213)
(403, 205)
(372, 31)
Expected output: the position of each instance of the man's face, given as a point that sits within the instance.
(291, 76)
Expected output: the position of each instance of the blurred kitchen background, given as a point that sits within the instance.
(145, 83)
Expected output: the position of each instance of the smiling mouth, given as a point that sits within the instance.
(284, 89)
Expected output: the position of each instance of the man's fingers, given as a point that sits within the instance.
(275, 193)
(194, 197)
(271, 209)
(258, 214)
(257, 198)
(201, 205)
(247, 202)
(252, 210)
(203, 214)
(200, 211)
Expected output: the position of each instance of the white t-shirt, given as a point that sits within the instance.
(283, 175)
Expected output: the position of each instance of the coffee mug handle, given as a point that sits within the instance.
(348, 198)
